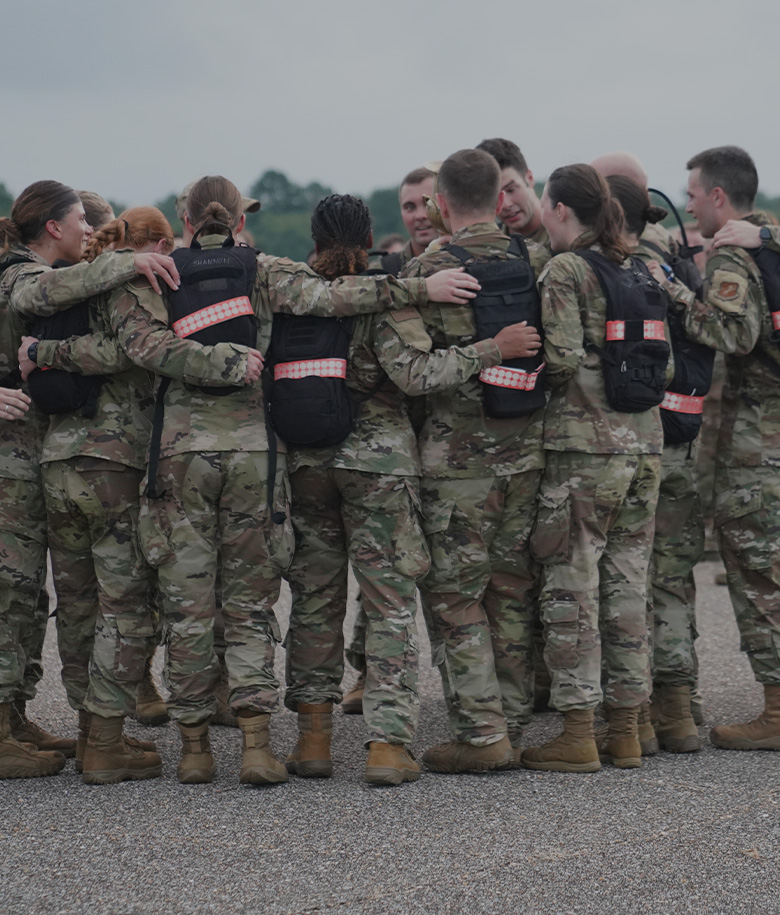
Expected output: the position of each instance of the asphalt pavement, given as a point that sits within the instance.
(687, 833)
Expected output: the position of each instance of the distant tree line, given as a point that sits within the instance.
(282, 226)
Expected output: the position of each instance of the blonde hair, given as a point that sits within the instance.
(134, 228)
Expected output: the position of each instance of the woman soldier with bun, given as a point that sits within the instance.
(599, 491)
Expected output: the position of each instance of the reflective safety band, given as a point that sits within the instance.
(213, 314)
(652, 330)
(323, 368)
(503, 376)
(776, 320)
(682, 403)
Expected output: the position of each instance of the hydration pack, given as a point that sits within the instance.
(508, 295)
(635, 353)
(681, 261)
(212, 304)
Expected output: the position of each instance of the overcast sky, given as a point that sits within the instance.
(133, 100)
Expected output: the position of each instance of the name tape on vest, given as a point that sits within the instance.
(504, 376)
(652, 330)
(322, 368)
(213, 314)
(682, 403)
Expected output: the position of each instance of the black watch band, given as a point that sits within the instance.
(765, 234)
(32, 352)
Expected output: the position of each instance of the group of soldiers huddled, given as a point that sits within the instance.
(500, 418)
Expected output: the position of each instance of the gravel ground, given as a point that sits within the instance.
(692, 833)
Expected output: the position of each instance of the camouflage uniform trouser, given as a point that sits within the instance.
(214, 510)
(373, 521)
(105, 619)
(747, 517)
(480, 596)
(24, 604)
(594, 537)
(677, 546)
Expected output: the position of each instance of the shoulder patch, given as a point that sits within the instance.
(409, 313)
(728, 291)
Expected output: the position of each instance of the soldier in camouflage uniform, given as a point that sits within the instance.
(594, 532)
(480, 477)
(213, 468)
(92, 472)
(360, 500)
(678, 542)
(416, 185)
(47, 224)
(735, 317)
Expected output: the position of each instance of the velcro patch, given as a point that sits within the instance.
(728, 291)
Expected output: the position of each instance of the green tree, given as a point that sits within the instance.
(6, 200)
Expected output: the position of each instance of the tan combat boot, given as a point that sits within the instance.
(673, 723)
(455, 756)
(26, 731)
(621, 746)
(573, 751)
(258, 765)
(109, 758)
(23, 760)
(196, 766)
(223, 717)
(85, 723)
(763, 733)
(150, 709)
(390, 764)
(352, 703)
(647, 739)
(311, 756)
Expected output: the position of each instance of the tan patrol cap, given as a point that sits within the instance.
(250, 204)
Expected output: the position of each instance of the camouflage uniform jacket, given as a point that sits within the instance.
(395, 343)
(578, 416)
(197, 421)
(458, 440)
(405, 254)
(734, 318)
(35, 288)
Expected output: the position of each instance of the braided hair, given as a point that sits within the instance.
(134, 228)
(341, 229)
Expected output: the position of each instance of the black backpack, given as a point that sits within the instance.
(55, 390)
(508, 295)
(212, 304)
(635, 353)
(307, 395)
(309, 402)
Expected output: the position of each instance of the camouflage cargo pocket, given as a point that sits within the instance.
(134, 635)
(154, 532)
(741, 522)
(411, 558)
(562, 629)
(551, 536)
(443, 551)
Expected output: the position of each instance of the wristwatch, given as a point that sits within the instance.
(32, 352)
(765, 234)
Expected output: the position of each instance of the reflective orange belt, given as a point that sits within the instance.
(652, 330)
(682, 403)
(213, 314)
(323, 368)
(503, 376)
